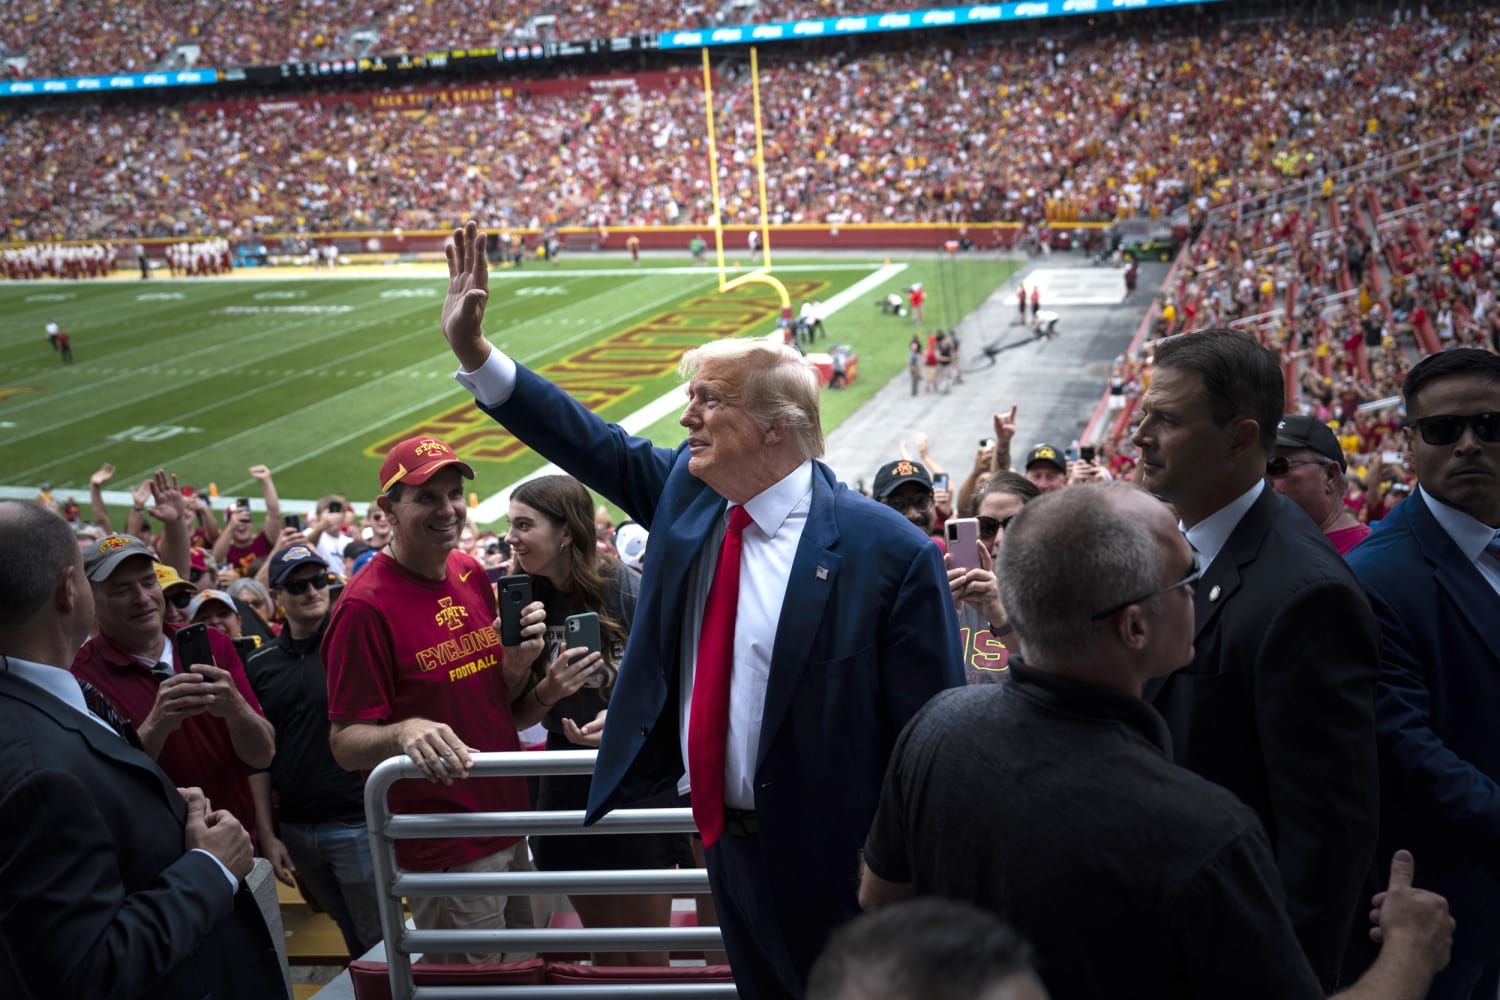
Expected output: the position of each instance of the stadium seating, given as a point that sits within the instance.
(1107, 126)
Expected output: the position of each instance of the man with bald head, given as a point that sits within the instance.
(1051, 800)
(112, 881)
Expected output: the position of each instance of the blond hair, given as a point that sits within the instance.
(778, 386)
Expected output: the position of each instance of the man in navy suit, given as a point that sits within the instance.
(111, 882)
(1432, 572)
(842, 626)
(1278, 705)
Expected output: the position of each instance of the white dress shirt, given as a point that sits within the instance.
(770, 544)
(62, 685)
(1470, 534)
(1209, 536)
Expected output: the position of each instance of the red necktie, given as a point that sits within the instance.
(708, 718)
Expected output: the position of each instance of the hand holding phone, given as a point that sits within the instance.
(582, 632)
(514, 593)
(963, 542)
(940, 481)
(193, 647)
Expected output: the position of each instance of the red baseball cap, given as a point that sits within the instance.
(415, 460)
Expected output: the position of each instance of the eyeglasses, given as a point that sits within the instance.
(180, 600)
(919, 504)
(989, 527)
(1447, 429)
(299, 587)
(1194, 574)
(1279, 466)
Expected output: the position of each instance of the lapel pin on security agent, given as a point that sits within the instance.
(822, 572)
(1213, 595)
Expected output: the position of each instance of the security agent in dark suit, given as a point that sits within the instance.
(112, 884)
(1278, 704)
(1432, 571)
(844, 626)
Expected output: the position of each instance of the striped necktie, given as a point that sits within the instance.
(105, 709)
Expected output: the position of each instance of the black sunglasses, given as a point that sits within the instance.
(180, 600)
(1194, 574)
(919, 504)
(1448, 428)
(1281, 465)
(299, 587)
(989, 527)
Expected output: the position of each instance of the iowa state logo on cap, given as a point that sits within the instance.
(112, 543)
(1045, 452)
(905, 469)
(431, 446)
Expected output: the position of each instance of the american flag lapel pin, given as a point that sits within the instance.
(822, 572)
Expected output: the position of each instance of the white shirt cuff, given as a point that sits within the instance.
(234, 883)
(492, 382)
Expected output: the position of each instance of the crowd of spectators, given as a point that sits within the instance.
(60, 40)
(1099, 128)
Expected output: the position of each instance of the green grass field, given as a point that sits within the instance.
(315, 377)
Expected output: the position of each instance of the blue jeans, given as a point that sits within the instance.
(333, 862)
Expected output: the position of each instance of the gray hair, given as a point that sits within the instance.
(238, 587)
(778, 386)
(1067, 556)
(35, 546)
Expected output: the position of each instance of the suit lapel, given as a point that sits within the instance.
(815, 570)
(1455, 573)
(1222, 579)
(686, 538)
(100, 740)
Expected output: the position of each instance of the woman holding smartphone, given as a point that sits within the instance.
(584, 593)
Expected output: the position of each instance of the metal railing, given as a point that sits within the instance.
(401, 942)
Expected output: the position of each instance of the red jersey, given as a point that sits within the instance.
(400, 646)
(199, 752)
(243, 558)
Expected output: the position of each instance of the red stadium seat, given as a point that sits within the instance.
(569, 974)
(372, 979)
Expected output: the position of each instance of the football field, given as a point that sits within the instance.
(317, 375)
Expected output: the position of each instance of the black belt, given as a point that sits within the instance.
(741, 822)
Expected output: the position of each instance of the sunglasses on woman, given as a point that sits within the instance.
(180, 599)
(299, 587)
(1448, 428)
(989, 527)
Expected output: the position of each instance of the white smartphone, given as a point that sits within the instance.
(963, 542)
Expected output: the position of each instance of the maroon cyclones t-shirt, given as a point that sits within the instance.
(401, 646)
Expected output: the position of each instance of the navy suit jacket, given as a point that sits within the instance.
(867, 635)
(1278, 706)
(1435, 710)
(97, 896)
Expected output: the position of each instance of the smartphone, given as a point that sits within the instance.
(963, 542)
(335, 506)
(583, 630)
(243, 503)
(494, 573)
(515, 594)
(940, 481)
(1086, 453)
(986, 442)
(193, 647)
(1391, 457)
(291, 521)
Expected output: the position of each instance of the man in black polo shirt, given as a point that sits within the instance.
(1052, 800)
(322, 805)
